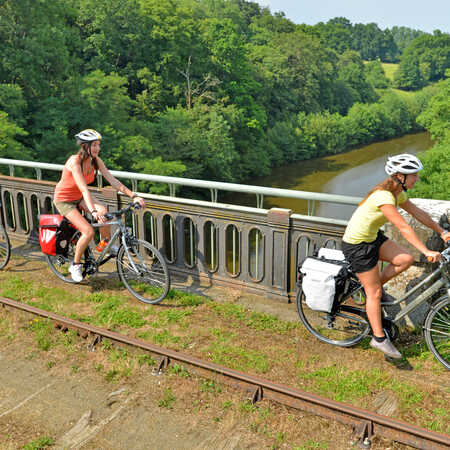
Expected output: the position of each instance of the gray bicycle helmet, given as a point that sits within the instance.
(88, 135)
(404, 163)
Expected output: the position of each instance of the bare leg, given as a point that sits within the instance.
(87, 233)
(105, 232)
(372, 285)
(373, 281)
(397, 256)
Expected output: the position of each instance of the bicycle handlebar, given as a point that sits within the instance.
(443, 253)
(111, 214)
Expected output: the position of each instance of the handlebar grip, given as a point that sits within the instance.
(136, 206)
(109, 216)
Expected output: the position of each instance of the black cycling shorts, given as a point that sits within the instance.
(364, 256)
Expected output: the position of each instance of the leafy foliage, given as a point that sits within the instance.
(436, 118)
(424, 61)
(215, 89)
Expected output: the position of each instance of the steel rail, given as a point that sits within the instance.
(366, 423)
(204, 184)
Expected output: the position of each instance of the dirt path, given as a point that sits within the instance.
(78, 409)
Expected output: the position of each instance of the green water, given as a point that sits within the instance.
(351, 173)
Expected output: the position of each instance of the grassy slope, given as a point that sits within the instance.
(231, 335)
(389, 69)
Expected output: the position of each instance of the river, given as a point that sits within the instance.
(350, 173)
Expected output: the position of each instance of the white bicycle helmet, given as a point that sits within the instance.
(88, 135)
(404, 163)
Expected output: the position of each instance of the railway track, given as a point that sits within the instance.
(365, 423)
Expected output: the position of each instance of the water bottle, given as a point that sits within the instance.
(101, 245)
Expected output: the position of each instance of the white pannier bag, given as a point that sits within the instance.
(331, 253)
(319, 283)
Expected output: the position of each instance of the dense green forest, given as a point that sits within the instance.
(436, 118)
(213, 89)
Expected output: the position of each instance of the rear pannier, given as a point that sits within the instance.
(322, 282)
(55, 232)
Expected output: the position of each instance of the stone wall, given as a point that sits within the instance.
(435, 208)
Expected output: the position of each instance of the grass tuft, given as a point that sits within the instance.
(39, 444)
(42, 329)
(111, 314)
(238, 358)
(167, 400)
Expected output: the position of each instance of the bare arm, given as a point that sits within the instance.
(391, 213)
(116, 184)
(424, 218)
(74, 166)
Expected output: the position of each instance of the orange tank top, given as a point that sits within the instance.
(67, 190)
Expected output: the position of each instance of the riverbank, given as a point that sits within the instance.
(351, 173)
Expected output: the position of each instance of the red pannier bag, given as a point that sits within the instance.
(55, 232)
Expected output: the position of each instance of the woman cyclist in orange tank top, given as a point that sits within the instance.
(72, 193)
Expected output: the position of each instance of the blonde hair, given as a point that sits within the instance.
(389, 184)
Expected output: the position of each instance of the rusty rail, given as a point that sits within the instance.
(365, 423)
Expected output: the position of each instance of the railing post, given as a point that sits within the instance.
(277, 256)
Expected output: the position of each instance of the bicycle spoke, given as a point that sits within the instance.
(60, 264)
(344, 328)
(434, 330)
(437, 331)
(143, 271)
(5, 248)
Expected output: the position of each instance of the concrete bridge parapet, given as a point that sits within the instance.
(253, 249)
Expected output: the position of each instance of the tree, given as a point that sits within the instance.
(375, 75)
(436, 117)
(36, 45)
(13, 102)
(351, 71)
(10, 147)
(425, 60)
(336, 34)
(432, 183)
(403, 36)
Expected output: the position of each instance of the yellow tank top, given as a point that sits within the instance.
(368, 217)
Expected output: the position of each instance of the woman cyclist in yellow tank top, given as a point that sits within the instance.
(364, 244)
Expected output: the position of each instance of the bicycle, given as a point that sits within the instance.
(141, 267)
(5, 245)
(347, 323)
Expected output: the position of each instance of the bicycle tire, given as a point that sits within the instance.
(152, 283)
(59, 264)
(344, 328)
(437, 330)
(5, 247)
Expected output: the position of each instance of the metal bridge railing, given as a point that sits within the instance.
(212, 186)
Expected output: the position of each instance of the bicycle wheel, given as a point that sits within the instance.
(344, 328)
(5, 247)
(437, 330)
(143, 271)
(59, 264)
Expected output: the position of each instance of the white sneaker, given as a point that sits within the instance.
(386, 347)
(77, 272)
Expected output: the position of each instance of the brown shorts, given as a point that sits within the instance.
(65, 208)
